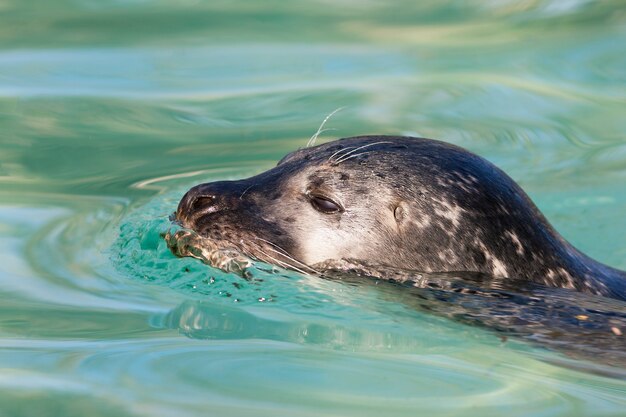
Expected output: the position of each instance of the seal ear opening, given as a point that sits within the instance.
(400, 212)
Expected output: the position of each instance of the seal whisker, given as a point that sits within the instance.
(355, 155)
(349, 150)
(321, 129)
(341, 158)
(271, 243)
(281, 263)
(330, 159)
(328, 129)
(245, 191)
(294, 260)
(286, 254)
(284, 264)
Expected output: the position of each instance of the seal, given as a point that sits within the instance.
(393, 202)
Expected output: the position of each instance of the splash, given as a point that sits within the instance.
(185, 243)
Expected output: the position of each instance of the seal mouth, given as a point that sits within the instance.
(226, 256)
(187, 243)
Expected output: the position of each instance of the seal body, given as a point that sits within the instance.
(411, 203)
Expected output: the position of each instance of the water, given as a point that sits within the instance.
(110, 110)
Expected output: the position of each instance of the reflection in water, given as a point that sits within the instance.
(580, 325)
(111, 110)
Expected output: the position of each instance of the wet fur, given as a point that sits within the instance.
(412, 203)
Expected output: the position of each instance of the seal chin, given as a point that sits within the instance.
(411, 203)
(187, 243)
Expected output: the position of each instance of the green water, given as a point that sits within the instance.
(110, 110)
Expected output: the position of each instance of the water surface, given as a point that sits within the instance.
(110, 110)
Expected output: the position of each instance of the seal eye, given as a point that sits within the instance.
(324, 205)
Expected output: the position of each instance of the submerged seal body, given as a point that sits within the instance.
(411, 203)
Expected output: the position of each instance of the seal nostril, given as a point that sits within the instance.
(188, 204)
(203, 201)
(205, 204)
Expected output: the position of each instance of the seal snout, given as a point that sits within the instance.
(203, 200)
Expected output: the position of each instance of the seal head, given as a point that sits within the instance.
(403, 202)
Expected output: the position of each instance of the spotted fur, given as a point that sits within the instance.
(412, 203)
